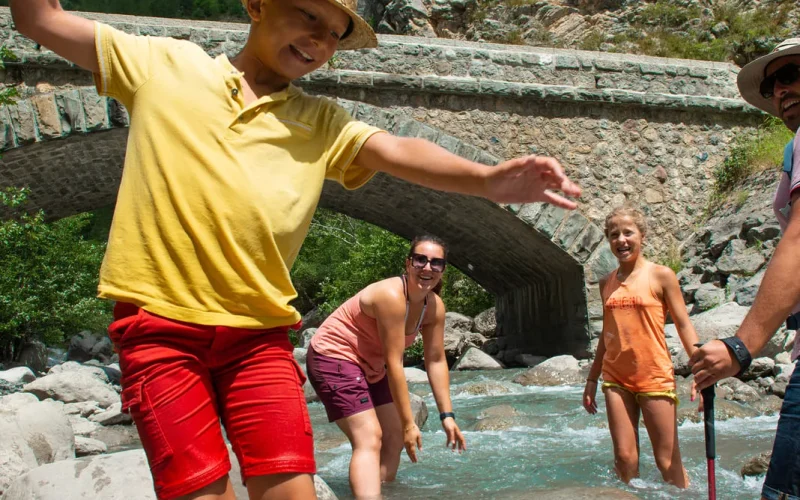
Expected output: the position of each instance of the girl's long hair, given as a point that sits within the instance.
(437, 241)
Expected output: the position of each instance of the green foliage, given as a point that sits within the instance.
(8, 95)
(671, 258)
(342, 255)
(667, 29)
(752, 153)
(668, 15)
(592, 41)
(48, 277)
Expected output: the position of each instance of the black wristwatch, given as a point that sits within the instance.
(739, 351)
(446, 414)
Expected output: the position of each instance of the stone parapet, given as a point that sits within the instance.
(456, 67)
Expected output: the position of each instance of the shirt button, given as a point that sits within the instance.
(234, 92)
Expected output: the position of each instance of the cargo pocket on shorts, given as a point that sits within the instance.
(301, 396)
(137, 402)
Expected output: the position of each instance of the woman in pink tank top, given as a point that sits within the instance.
(355, 364)
(632, 353)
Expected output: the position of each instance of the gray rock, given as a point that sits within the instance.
(312, 319)
(309, 392)
(491, 347)
(18, 375)
(419, 409)
(740, 391)
(737, 258)
(721, 234)
(760, 367)
(85, 446)
(415, 376)
(103, 349)
(116, 476)
(558, 370)
(499, 411)
(720, 322)
(456, 342)
(708, 297)
(72, 387)
(82, 426)
(486, 323)
(529, 360)
(300, 356)
(34, 356)
(117, 436)
(83, 408)
(111, 416)
(783, 372)
(757, 465)
(72, 366)
(763, 233)
(458, 322)
(16, 457)
(305, 337)
(779, 388)
(489, 388)
(745, 295)
(775, 345)
(769, 404)
(81, 345)
(475, 359)
(783, 358)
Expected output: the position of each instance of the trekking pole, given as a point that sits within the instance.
(708, 424)
(708, 427)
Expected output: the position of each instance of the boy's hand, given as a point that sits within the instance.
(530, 179)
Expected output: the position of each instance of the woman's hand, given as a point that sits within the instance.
(412, 440)
(590, 396)
(455, 440)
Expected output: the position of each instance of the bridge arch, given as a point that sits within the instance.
(69, 150)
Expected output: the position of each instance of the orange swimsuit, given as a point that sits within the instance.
(637, 358)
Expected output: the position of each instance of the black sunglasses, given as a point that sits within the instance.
(787, 75)
(419, 261)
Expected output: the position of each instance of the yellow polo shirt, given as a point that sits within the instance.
(216, 197)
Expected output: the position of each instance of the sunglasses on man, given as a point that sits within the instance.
(787, 75)
(419, 261)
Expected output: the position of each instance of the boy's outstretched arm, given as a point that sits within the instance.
(521, 180)
(46, 23)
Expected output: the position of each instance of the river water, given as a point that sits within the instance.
(550, 443)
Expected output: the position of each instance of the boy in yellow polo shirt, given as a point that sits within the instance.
(224, 168)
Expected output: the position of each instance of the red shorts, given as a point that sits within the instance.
(180, 379)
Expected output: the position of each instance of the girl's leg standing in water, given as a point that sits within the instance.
(623, 422)
(365, 435)
(392, 442)
(660, 419)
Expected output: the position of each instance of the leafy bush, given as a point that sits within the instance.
(342, 255)
(48, 277)
(752, 153)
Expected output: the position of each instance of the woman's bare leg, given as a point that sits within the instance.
(660, 419)
(392, 442)
(365, 435)
(623, 422)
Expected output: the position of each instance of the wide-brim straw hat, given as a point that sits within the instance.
(361, 37)
(751, 76)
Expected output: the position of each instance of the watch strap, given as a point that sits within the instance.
(739, 351)
(446, 414)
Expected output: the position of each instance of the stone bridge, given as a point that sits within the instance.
(644, 130)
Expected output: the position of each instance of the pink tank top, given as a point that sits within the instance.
(351, 335)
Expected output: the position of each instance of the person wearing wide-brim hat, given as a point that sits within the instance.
(772, 83)
(224, 167)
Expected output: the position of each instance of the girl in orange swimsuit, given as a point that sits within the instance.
(632, 353)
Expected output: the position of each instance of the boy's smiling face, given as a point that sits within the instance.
(295, 37)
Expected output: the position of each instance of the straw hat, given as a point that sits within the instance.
(362, 36)
(751, 76)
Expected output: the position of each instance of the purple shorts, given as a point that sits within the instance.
(342, 386)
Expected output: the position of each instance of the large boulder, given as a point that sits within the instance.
(486, 323)
(475, 359)
(300, 355)
(18, 375)
(708, 297)
(34, 356)
(720, 322)
(459, 322)
(558, 370)
(419, 409)
(456, 342)
(745, 295)
(116, 476)
(81, 346)
(72, 366)
(85, 446)
(415, 376)
(304, 339)
(760, 367)
(72, 387)
(113, 415)
(16, 457)
(737, 258)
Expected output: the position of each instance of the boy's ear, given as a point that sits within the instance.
(254, 9)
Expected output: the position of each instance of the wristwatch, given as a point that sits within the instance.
(446, 414)
(739, 351)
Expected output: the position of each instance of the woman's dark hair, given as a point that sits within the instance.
(425, 238)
